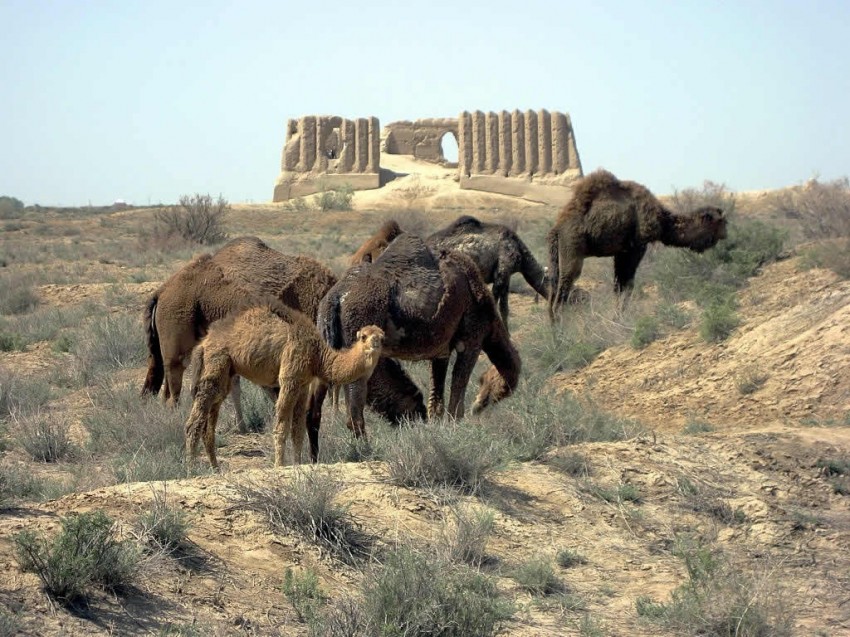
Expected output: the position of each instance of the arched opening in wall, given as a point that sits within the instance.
(448, 148)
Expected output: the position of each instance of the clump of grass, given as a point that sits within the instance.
(623, 493)
(163, 527)
(19, 483)
(567, 558)
(537, 577)
(143, 439)
(823, 208)
(17, 294)
(695, 427)
(465, 536)
(257, 409)
(18, 393)
(10, 624)
(444, 454)
(413, 594)
(43, 434)
(106, 344)
(337, 198)
(718, 321)
(11, 342)
(84, 554)
(303, 592)
(719, 600)
(833, 255)
(750, 379)
(306, 503)
(646, 331)
(701, 500)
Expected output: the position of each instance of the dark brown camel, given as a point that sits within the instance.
(496, 250)
(607, 217)
(377, 243)
(210, 287)
(428, 306)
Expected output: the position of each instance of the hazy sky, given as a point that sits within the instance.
(147, 100)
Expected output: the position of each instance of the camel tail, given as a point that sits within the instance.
(532, 271)
(156, 365)
(330, 322)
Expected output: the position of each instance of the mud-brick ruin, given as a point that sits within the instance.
(528, 154)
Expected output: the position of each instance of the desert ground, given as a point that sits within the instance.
(734, 448)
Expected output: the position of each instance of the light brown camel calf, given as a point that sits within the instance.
(272, 345)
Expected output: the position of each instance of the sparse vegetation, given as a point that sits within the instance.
(17, 294)
(537, 577)
(43, 434)
(645, 331)
(303, 592)
(822, 208)
(568, 558)
(84, 554)
(695, 427)
(10, 207)
(196, 218)
(750, 379)
(465, 535)
(306, 504)
(163, 527)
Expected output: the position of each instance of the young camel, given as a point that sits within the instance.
(607, 217)
(272, 345)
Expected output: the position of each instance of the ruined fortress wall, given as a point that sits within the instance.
(530, 154)
(328, 151)
(421, 138)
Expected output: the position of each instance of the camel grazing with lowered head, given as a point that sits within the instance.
(496, 250)
(429, 306)
(272, 345)
(607, 217)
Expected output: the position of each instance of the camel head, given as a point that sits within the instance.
(492, 388)
(370, 340)
(706, 226)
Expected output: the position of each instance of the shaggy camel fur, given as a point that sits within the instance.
(212, 286)
(496, 250)
(272, 346)
(429, 306)
(377, 243)
(607, 217)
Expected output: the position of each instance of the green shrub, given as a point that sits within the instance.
(84, 554)
(464, 538)
(718, 321)
(17, 294)
(11, 342)
(444, 453)
(645, 332)
(303, 592)
(693, 427)
(10, 624)
(833, 255)
(18, 393)
(568, 558)
(719, 600)
(19, 483)
(537, 577)
(305, 504)
(413, 594)
(257, 408)
(197, 218)
(163, 527)
(338, 198)
(10, 207)
(750, 379)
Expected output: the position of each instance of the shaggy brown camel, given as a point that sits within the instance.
(429, 306)
(212, 286)
(377, 243)
(607, 217)
(496, 250)
(272, 345)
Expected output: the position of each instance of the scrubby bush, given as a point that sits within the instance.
(336, 198)
(303, 592)
(17, 294)
(108, 343)
(43, 434)
(197, 218)
(718, 321)
(645, 332)
(18, 393)
(10, 207)
(822, 208)
(305, 503)
(163, 527)
(84, 554)
(537, 577)
(465, 535)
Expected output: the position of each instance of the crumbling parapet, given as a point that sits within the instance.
(529, 154)
(421, 138)
(326, 152)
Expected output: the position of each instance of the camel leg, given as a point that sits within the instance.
(439, 368)
(299, 424)
(501, 289)
(625, 267)
(284, 409)
(355, 396)
(211, 391)
(174, 369)
(236, 397)
(462, 370)
(570, 271)
(314, 418)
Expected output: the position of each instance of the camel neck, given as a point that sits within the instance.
(341, 367)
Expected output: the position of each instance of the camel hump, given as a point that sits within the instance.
(466, 221)
(405, 252)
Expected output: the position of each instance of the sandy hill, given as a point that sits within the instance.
(754, 487)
